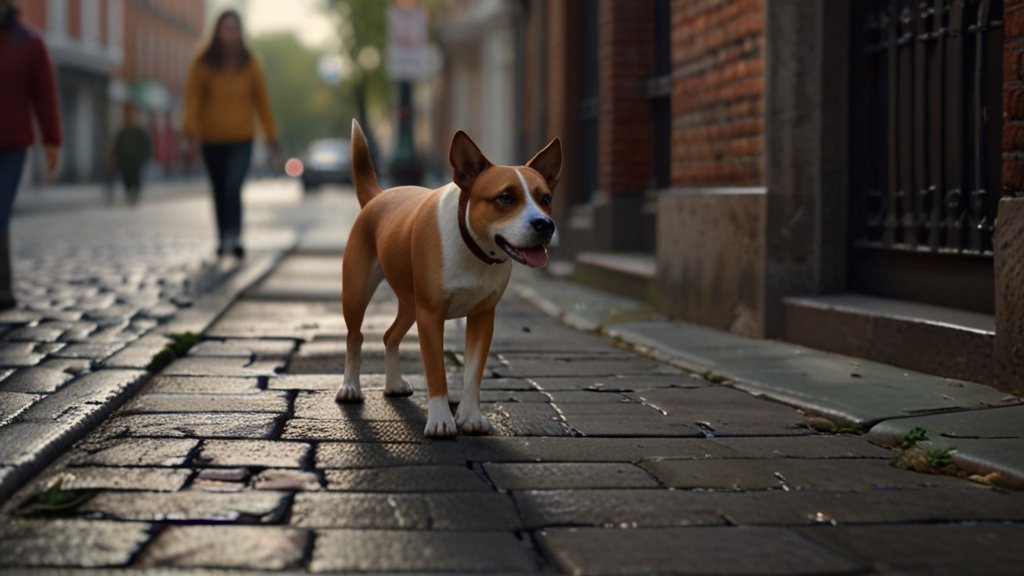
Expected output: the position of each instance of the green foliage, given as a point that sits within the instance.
(915, 435)
(938, 458)
(305, 108)
(178, 347)
(55, 501)
(715, 377)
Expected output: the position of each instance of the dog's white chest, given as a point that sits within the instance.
(466, 280)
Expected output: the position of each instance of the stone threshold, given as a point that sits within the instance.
(50, 427)
(866, 395)
(931, 339)
(627, 274)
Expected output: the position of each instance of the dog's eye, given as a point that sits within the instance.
(545, 200)
(505, 198)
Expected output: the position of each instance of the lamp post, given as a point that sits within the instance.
(407, 62)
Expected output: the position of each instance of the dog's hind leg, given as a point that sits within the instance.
(394, 384)
(359, 279)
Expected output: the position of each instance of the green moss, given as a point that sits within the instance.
(178, 347)
(55, 501)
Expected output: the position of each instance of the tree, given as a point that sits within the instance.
(304, 106)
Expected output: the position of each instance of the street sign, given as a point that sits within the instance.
(408, 54)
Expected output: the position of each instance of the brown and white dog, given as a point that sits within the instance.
(447, 253)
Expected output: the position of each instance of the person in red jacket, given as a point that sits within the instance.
(28, 89)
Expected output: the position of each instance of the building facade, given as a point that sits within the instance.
(845, 175)
(109, 53)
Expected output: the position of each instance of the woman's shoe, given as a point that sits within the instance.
(239, 252)
(7, 303)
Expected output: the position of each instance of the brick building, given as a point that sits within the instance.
(107, 53)
(829, 173)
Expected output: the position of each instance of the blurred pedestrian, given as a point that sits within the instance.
(132, 149)
(224, 96)
(28, 89)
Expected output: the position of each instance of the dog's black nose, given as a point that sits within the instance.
(543, 226)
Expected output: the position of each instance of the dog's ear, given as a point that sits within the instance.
(467, 161)
(548, 163)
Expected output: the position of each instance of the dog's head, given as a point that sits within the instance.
(508, 208)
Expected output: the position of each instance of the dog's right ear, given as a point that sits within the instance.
(467, 161)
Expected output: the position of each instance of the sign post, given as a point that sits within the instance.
(408, 61)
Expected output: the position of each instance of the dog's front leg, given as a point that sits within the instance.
(479, 330)
(430, 326)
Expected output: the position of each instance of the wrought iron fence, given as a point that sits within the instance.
(926, 124)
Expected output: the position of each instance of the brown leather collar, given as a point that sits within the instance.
(470, 243)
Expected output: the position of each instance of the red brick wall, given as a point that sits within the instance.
(563, 95)
(33, 14)
(626, 63)
(74, 19)
(718, 92)
(1013, 97)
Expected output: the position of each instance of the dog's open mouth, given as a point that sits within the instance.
(536, 256)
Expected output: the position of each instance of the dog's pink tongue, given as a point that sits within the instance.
(536, 256)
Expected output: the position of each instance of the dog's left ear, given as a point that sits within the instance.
(467, 161)
(548, 162)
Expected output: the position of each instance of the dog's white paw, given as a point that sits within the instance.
(440, 423)
(399, 389)
(472, 421)
(348, 393)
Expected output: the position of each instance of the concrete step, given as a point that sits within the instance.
(922, 337)
(627, 274)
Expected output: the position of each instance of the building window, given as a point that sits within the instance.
(57, 17)
(90, 22)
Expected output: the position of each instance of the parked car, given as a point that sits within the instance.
(327, 162)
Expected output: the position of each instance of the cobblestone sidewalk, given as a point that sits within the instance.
(604, 462)
(98, 291)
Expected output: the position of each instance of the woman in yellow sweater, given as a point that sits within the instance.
(224, 96)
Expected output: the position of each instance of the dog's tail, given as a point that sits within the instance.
(364, 178)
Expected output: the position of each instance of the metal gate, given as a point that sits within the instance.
(925, 166)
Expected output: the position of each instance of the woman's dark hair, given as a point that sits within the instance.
(215, 54)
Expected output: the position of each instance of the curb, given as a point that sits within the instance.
(131, 363)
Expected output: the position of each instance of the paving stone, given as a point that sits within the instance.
(353, 431)
(19, 354)
(619, 426)
(256, 453)
(263, 319)
(202, 385)
(812, 507)
(621, 383)
(526, 424)
(388, 551)
(290, 480)
(406, 479)
(321, 405)
(192, 506)
(616, 508)
(816, 446)
(235, 547)
(191, 425)
(14, 403)
(726, 412)
(138, 354)
(244, 348)
(83, 398)
(35, 380)
(135, 452)
(618, 409)
(494, 449)
(46, 332)
(436, 511)
(224, 474)
(94, 477)
(70, 543)
(928, 549)
(200, 366)
(696, 550)
(92, 350)
(536, 365)
(320, 382)
(349, 455)
(267, 401)
(558, 475)
(837, 475)
(612, 397)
